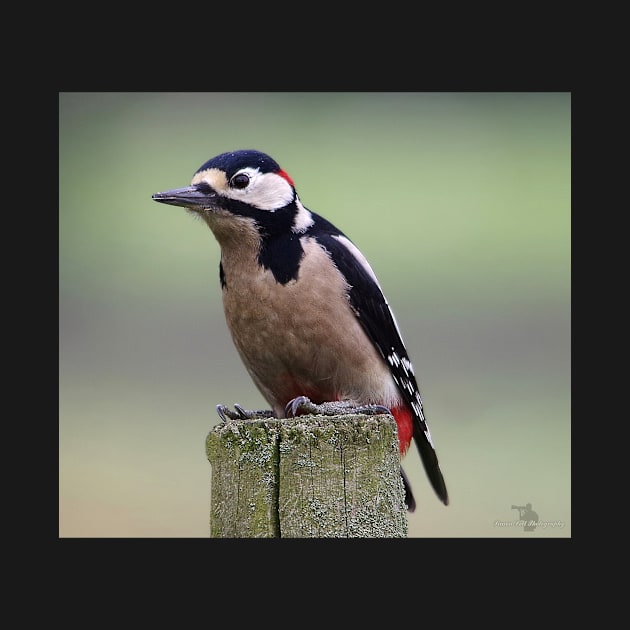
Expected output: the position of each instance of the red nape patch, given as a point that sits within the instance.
(286, 176)
(404, 421)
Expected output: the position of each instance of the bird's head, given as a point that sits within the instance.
(247, 184)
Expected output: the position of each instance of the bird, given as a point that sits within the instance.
(304, 307)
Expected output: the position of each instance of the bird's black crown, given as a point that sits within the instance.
(233, 161)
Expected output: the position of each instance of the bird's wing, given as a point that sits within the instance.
(377, 319)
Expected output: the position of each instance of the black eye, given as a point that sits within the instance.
(240, 181)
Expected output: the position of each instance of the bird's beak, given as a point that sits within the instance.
(189, 197)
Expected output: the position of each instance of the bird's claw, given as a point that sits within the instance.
(374, 410)
(301, 403)
(333, 408)
(223, 412)
(242, 414)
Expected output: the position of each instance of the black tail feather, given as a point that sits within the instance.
(431, 466)
(409, 500)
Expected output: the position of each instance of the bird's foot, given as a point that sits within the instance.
(242, 414)
(333, 408)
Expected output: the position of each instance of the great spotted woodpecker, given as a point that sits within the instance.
(305, 309)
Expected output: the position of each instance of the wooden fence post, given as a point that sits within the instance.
(307, 477)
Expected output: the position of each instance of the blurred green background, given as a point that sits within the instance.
(461, 202)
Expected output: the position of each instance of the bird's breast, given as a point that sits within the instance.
(300, 337)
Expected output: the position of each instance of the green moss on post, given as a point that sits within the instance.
(312, 476)
(244, 458)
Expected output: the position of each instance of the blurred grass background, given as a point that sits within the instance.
(461, 202)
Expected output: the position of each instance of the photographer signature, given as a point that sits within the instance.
(526, 514)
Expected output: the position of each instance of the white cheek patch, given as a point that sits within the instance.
(266, 191)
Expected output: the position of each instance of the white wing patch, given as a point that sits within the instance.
(404, 379)
(361, 259)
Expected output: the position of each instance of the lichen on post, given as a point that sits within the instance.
(311, 476)
(340, 477)
(244, 459)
